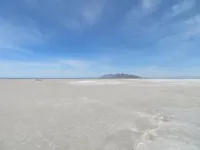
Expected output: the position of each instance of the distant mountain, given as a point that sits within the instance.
(120, 76)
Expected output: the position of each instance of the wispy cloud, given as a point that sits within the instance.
(149, 6)
(162, 32)
(139, 19)
(72, 24)
(181, 32)
(19, 68)
(92, 12)
(15, 37)
(193, 27)
(55, 68)
(151, 71)
(166, 72)
(75, 63)
(183, 7)
(74, 15)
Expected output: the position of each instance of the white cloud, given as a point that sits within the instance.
(59, 68)
(74, 15)
(185, 6)
(90, 17)
(193, 27)
(133, 22)
(77, 64)
(149, 6)
(24, 64)
(181, 32)
(178, 9)
(165, 72)
(92, 11)
(151, 71)
(12, 48)
(15, 37)
(16, 68)
(33, 3)
(72, 24)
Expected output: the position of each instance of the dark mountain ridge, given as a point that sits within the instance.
(120, 76)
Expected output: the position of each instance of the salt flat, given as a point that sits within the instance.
(99, 114)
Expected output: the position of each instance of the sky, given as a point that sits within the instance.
(89, 38)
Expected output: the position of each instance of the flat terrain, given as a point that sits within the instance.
(99, 114)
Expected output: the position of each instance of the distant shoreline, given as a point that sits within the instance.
(183, 78)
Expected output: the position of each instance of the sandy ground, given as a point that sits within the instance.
(100, 115)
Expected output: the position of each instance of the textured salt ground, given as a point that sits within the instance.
(99, 114)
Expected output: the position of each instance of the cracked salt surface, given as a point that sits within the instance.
(109, 115)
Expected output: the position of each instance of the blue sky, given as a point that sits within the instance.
(85, 38)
